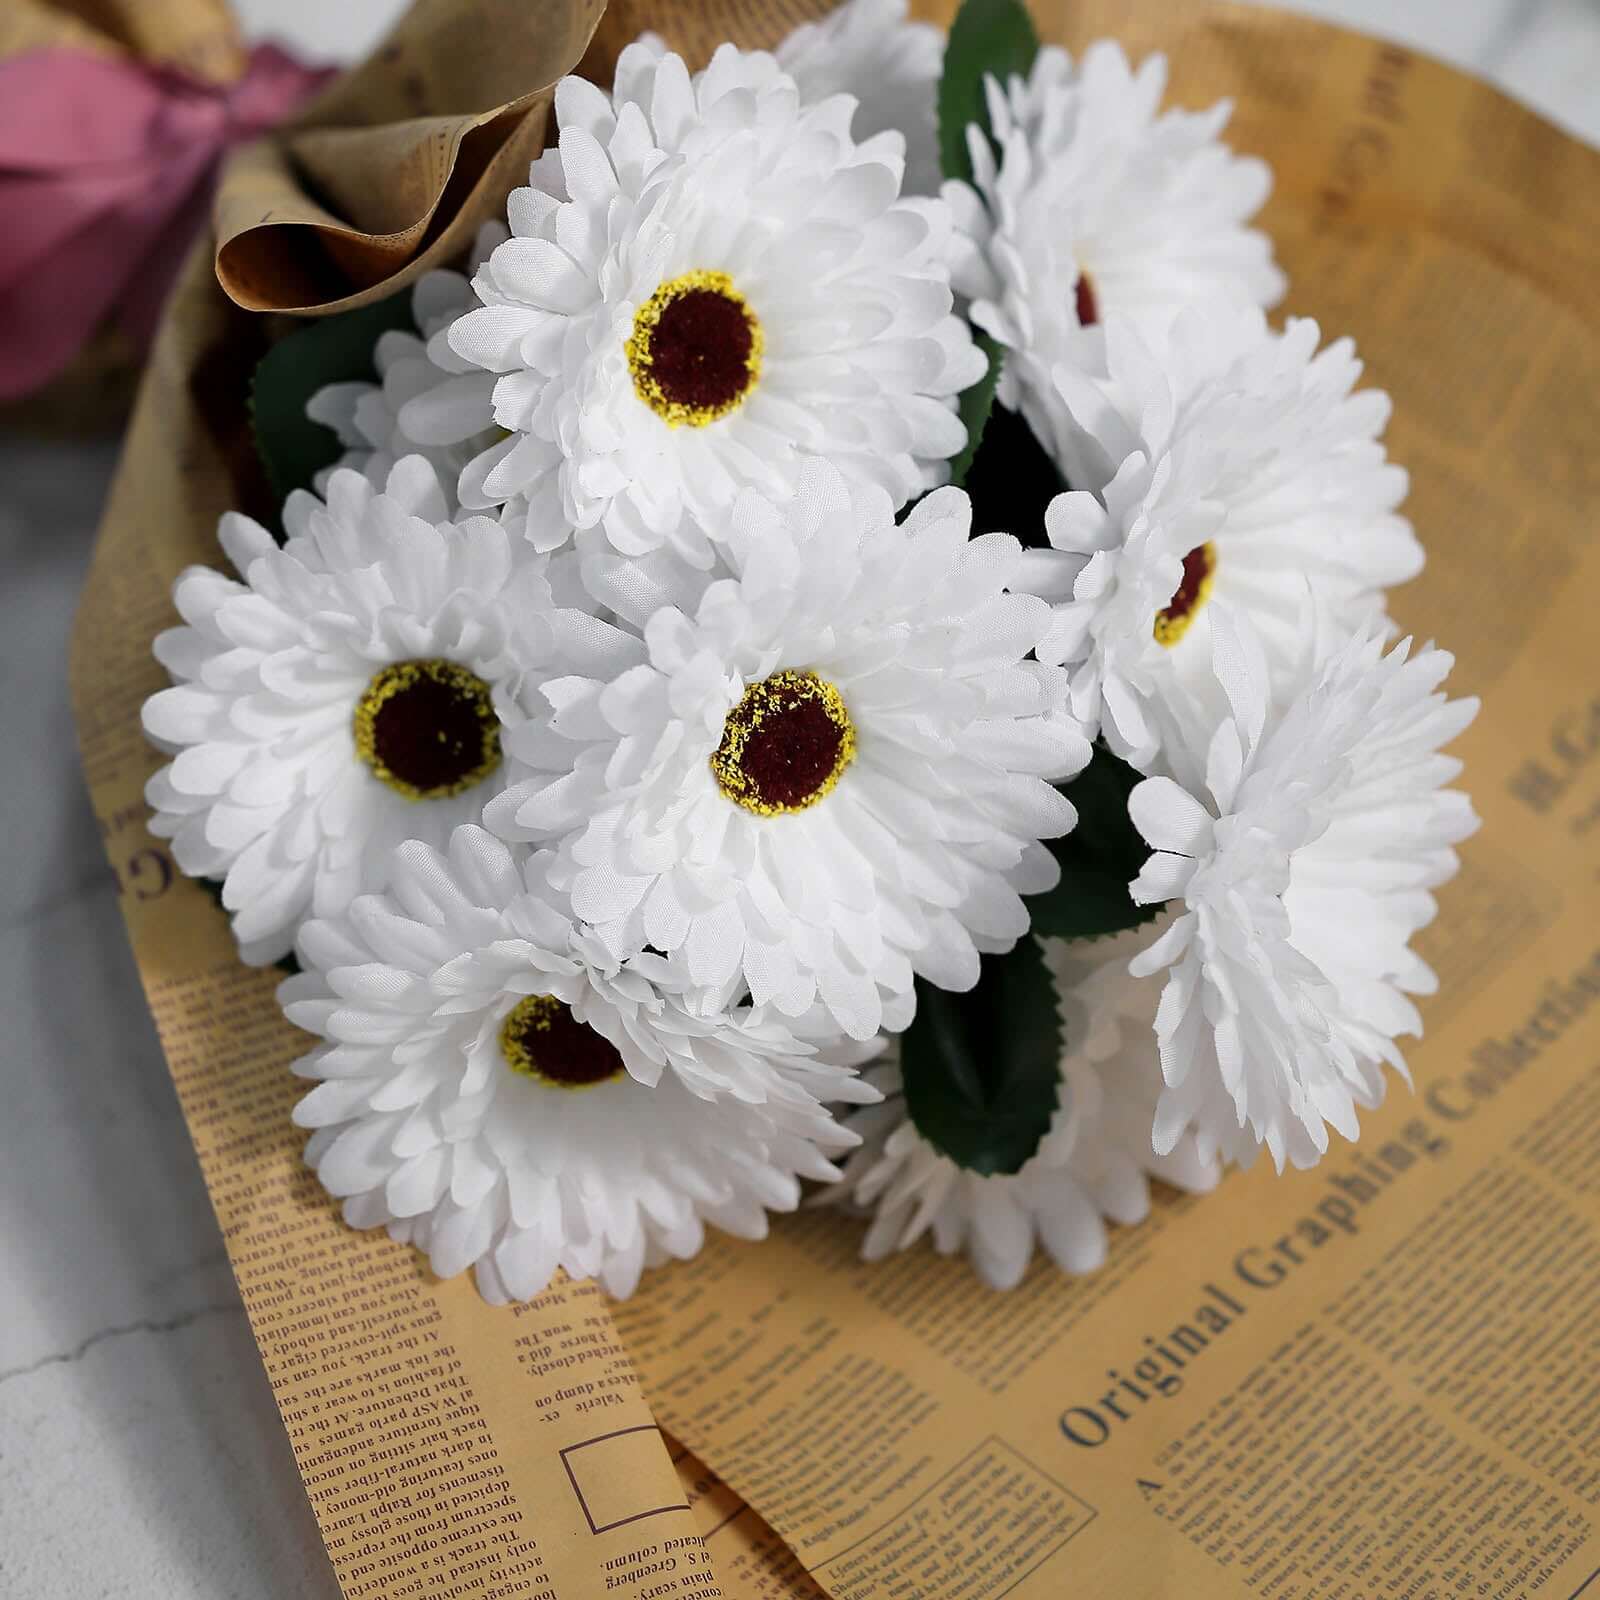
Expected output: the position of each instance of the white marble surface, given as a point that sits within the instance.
(140, 1454)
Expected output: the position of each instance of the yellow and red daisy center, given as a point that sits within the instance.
(428, 729)
(695, 350)
(1194, 589)
(785, 744)
(542, 1040)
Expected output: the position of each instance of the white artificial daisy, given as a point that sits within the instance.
(819, 775)
(710, 281)
(868, 49)
(1100, 202)
(427, 400)
(1300, 848)
(497, 1088)
(341, 698)
(1092, 1167)
(1237, 469)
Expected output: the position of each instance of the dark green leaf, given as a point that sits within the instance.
(982, 1070)
(1012, 480)
(975, 405)
(1099, 858)
(988, 37)
(293, 448)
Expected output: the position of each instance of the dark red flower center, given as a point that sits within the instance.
(541, 1039)
(1194, 589)
(428, 728)
(1088, 307)
(785, 744)
(695, 350)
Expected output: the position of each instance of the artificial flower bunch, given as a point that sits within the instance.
(844, 649)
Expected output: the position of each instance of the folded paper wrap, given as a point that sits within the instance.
(391, 171)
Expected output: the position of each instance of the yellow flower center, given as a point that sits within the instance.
(785, 744)
(1194, 589)
(428, 729)
(695, 349)
(542, 1040)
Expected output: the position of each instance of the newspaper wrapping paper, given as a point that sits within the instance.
(1375, 1378)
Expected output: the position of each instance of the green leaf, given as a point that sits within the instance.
(982, 1070)
(292, 447)
(1099, 858)
(1012, 480)
(988, 37)
(975, 405)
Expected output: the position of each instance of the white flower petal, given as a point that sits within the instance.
(707, 1113)
(1090, 1165)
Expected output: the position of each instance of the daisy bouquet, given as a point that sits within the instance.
(840, 654)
